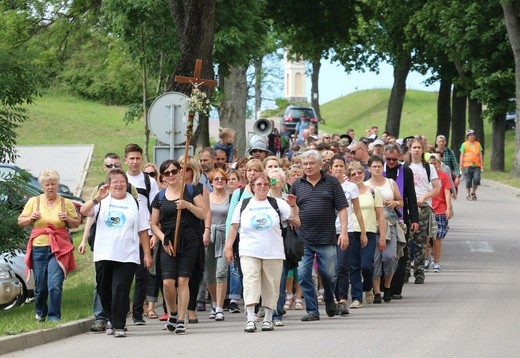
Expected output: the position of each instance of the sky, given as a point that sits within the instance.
(335, 83)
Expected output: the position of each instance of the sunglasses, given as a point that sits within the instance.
(353, 152)
(353, 174)
(259, 185)
(110, 166)
(170, 172)
(152, 174)
(391, 159)
(219, 179)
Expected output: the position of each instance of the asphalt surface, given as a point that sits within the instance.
(470, 309)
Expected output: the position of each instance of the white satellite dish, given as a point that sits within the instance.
(167, 117)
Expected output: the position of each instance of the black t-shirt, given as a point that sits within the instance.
(190, 227)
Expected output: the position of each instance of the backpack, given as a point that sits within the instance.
(293, 247)
(162, 193)
(91, 238)
(145, 192)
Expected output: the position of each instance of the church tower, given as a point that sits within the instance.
(295, 79)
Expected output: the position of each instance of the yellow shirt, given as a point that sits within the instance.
(49, 214)
(368, 203)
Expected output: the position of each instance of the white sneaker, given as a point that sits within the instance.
(427, 263)
(436, 267)
(278, 323)
(109, 330)
(119, 333)
(356, 304)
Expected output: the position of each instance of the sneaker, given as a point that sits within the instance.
(278, 323)
(172, 323)
(212, 314)
(119, 333)
(312, 317)
(39, 318)
(369, 297)
(377, 298)
(356, 304)
(110, 329)
(330, 308)
(427, 263)
(397, 296)
(267, 326)
(233, 307)
(387, 296)
(436, 267)
(181, 328)
(250, 327)
(219, 316)
(342, 310)
(139, 321)
(98, 326)
(419, 280)
(164, 317)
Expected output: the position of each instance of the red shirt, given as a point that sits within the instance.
(439, 201)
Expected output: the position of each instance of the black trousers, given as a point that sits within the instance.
(141, 278)
(114, 280)
(196, 279)
(400, 273)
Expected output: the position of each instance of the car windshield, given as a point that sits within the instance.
(298, 112)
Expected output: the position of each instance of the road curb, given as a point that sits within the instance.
(27, 340)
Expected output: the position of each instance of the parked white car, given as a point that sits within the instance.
(16, 261)
(10, 287)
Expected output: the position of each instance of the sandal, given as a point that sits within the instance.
(469, 198)
(152, 314)
(473, 196)
(298, 305)
(288, 304)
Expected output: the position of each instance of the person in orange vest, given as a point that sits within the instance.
(472, 162)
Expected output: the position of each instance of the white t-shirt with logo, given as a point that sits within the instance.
(260, 234)
(351, 192)
(118, 224)
(420, 179)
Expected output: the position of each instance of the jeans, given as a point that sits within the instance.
(343, 281)
(326, 257)
(48, 280)
(99, 314)
(277, 314)
(361, 261)
(235, 282)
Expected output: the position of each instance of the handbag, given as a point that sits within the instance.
(293, 248)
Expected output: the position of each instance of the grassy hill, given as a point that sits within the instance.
(63, 119)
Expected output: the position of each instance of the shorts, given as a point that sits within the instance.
(442, 225)
(182, 265)
(472, 175)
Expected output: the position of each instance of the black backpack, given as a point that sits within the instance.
(293, 247)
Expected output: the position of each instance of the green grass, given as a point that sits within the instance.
(78, 291)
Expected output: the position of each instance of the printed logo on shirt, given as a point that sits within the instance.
(261, 222)
(115, 219)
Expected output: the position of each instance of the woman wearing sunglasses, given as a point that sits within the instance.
(361, 249)
(177, 270)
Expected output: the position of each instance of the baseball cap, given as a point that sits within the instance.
(435, 156)
(471, 131)
(379, 142)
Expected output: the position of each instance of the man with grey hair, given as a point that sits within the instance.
(319, 197)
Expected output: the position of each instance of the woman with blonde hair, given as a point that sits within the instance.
(50, 252)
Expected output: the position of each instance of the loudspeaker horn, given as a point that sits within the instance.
(263, 127)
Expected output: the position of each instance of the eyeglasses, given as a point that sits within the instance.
(219, 179)
(309, 164)
(152, 174)
(353, 152)
(259, 185)
(110, 166)
(353, 174)
(376, 166)
(117, 182)
(170, 172)
(391, 159)
(257, 151)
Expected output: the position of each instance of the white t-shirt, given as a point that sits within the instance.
(351, 192)
(260, 234)
(420, 179)
(139, 182)
(117, 228)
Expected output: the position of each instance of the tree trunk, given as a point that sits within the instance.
(258, 85)
(396, 101)
(232, 111)
(513, 31)
(458, 120)
(475, 120)
(195, 24)
(497, 161)
(315, 94)
(444, 108)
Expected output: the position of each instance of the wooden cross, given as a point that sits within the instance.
(196, 81)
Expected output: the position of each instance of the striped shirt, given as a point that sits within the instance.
(318, 205)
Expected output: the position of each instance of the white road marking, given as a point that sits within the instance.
(480, 246)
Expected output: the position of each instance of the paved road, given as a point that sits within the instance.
(469, 310)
